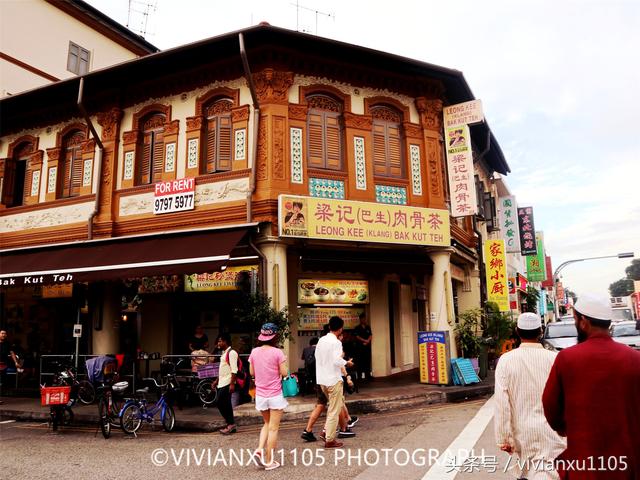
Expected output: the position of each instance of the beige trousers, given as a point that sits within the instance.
(335, 396)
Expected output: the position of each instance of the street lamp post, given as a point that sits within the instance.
(568, 262)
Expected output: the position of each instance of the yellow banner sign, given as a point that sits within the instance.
(225, 280)
(317, 318)
(330, 219)
(496, 270)
(333, 291)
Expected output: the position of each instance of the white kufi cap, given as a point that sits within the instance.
(529, 321)
(594, 306)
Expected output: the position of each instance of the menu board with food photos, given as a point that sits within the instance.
(333, 291)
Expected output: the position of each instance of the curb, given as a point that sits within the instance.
(300, 412)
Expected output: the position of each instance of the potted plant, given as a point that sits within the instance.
(468, 332)
(256, 310)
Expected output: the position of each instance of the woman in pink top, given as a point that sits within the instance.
(267, 364)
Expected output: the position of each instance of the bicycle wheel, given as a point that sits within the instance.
(206, 392)
(168, 419)
(55, 418)
(131, 418)
(103, 411)
(114, 411)
(86, 392)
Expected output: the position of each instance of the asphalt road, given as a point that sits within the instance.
(412, 444)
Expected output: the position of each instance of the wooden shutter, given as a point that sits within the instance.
(379, 149)
(158, 156)
(333, 141)
(76, 172)
(394, 149)
(144, 160)
(8, 183)
(224, 153)
(65, 171)
(315, 150)
(210, 148)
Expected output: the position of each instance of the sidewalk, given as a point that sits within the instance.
(403, 392)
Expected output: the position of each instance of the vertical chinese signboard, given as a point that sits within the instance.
(536, 267)
(527, 231)
(462, 189)
(496, 270)
(434, 357)
(509, 223)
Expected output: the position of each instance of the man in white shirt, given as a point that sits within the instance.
(329, 363)
(226, 382)
(520, 425)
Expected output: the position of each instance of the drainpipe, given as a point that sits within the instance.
(256, 126)
(84, 113)
(483, 280)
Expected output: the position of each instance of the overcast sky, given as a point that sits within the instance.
(559, 81)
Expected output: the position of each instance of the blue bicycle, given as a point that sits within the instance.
(135, 411)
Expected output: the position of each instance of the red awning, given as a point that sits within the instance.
(122, 257)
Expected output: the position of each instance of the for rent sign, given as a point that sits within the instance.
(330, 219)
(174, 196)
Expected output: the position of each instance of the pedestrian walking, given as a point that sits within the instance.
(329, 365)
(592, 397)
(267, 364)
(226, 382)
(520, 426)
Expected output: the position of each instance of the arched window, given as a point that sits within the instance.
(70, 167)
(151, 159)
(217, 152)
(324, 132)
(387, 142)
(15, 187)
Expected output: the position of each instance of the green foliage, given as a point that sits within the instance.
(531, 298)
(633, 270)
(497, 326)
(468, 332)
(256, 310)
(621, 288)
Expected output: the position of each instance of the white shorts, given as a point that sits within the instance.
(272, 403)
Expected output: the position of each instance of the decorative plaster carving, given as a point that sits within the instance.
(206, 194)
(194, 123)
(431, 112)
(89, 146)
(110, 123)
(172, 128)
(170, 157)
(416, 174)
(130, 137)
(192, 154)
(240, 114)
(35, 182)
(434, 171)
(129, 158)
(380, 112)
(272, 86)
(51, 217)
(240, 142)
(87, 172)
(298, 112)
(278, 148)
(362, 122)
(219, 107)
(262, 150)
(53, 154)
(412, 130)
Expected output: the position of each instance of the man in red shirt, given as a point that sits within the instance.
(592, 397)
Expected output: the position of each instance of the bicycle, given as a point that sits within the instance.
(110, 405)
(135, 411)
(83, 389)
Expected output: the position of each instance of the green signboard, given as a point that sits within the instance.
(536, 268)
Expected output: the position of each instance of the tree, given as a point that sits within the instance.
(531, 298)
(468, 332)
(621, 288)
(256, 310)
(633, 270)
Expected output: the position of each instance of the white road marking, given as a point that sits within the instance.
(444, 467)
(7, 421)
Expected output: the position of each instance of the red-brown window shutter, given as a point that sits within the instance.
(395, 151)
(76, 172)
(8, 183)
(333, 141)
(210, 150)
(379, 150)
(145, 160)
(158, 156)
(387, 143)
(224, 143)
(316, 140)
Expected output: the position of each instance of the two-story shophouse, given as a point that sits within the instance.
(317, 164)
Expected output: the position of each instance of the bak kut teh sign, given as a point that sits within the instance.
(329, 219)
